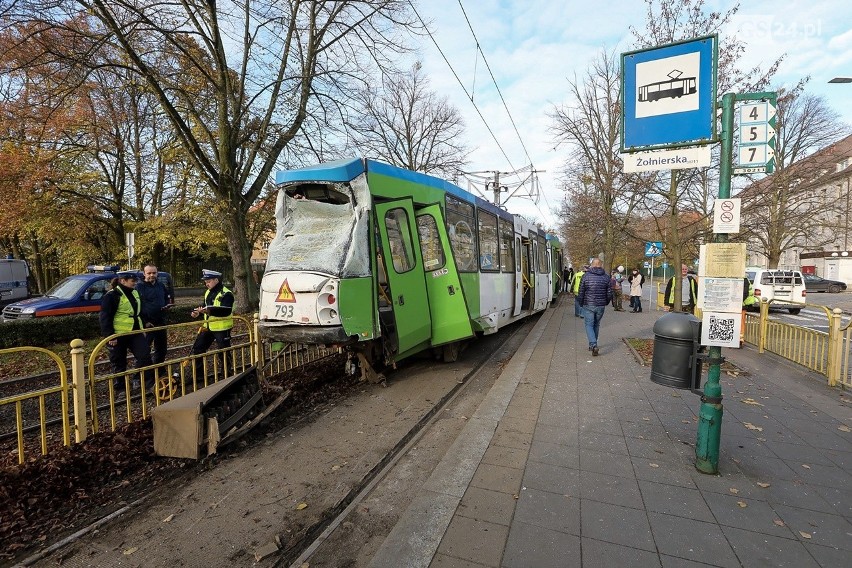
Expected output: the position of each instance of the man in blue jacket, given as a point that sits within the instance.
(595, 293)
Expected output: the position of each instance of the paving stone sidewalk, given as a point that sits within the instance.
(574, 460)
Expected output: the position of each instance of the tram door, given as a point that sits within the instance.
(404, 266)
(525, 276)
(519, 277)
(447, 305)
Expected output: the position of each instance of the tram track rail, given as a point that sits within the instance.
(305, 408)
(297, 555)
(33, 420)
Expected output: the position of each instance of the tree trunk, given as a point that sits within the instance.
(673, 242)
(246, 292)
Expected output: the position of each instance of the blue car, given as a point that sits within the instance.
(76, 294)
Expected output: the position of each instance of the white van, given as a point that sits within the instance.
(785, 287)
(13, 280)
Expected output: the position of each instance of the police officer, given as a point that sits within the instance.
(217, 310)
(121, 310)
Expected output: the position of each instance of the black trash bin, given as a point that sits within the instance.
(677, 340)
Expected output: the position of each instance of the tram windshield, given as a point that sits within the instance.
(320, 237)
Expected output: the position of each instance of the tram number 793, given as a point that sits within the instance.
(284, 311)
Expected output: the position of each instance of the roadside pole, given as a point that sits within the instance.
(710, 414)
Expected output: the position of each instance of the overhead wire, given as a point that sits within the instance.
(471, 99)
(458, 79)
(505, 106)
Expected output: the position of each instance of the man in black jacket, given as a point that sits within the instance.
(157, 299)
(595, 293)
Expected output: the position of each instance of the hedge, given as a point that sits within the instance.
(47, 332)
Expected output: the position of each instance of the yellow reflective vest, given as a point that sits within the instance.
(576, 286)
(125, 316)
(218, 323)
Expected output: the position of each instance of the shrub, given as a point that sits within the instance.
(46, 332)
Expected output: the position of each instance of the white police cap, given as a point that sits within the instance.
(208, 274)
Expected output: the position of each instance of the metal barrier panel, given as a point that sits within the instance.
(172, 378)
(15, 405)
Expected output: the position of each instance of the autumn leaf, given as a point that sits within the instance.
(169, 518)
(806, 466)
(750, 401)
(130, 551)
(779, 522)
(805, 535)
(844, 428)
(734, 490)
(301, 506)
(751, 426)
(761, 484)
(654, 464)
(742, 504)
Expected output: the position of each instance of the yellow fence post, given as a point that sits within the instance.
(79, 385)
(258, 357)
(835, 347)
(764, 317)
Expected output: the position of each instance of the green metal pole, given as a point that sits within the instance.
(710, 414)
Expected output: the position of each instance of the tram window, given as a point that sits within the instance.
(460, 225)
(399, 239)
(430, 243)
(507, 248)
(542, 256)
(488, 242)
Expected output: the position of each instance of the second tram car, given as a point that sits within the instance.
(388, 262)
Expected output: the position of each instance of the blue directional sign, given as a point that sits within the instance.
(669, 95)
(653, 249)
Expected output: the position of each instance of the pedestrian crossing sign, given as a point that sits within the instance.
(653, 249)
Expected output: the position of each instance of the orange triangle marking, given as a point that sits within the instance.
(285, 294)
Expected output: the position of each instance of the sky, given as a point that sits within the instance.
(534, 47)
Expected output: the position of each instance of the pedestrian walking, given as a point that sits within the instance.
(120, 313)
(575, 289)
(565, 285)
(217, 310)
(157, 299)
(636, 280)
(595, 293)
(615, 282)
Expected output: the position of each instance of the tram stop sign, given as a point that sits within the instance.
(669, 95)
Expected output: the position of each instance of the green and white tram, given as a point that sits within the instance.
(389, 262)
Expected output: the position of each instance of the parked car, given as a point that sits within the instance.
(816, 284)
(76, 294)
(13, 280)
(785, 287)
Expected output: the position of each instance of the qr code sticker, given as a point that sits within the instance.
(721, 329)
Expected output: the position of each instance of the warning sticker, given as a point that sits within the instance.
(285, 294)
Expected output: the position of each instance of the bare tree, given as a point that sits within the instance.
(669, 21)
(406, 124)
(239, 81)
(598, 204)
(792, 207)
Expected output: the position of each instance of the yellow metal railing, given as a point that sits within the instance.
(92, 394)
(827, 353)
(38, 397)
(170, 377)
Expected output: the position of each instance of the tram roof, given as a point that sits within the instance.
(349, 169)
